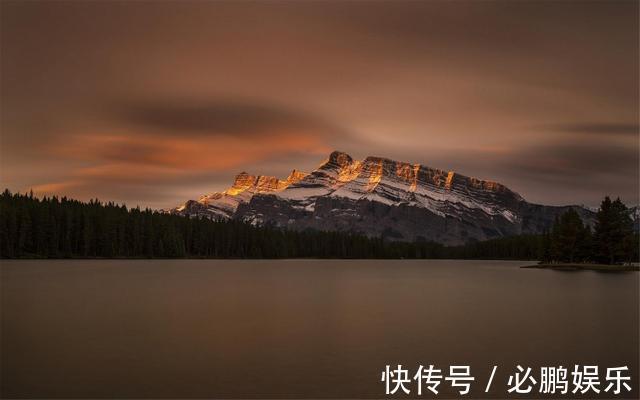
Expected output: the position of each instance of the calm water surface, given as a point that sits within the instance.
(299, 328)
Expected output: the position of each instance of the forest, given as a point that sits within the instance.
(52, 227)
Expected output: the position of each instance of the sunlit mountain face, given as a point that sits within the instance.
(224, 204)
(380, 197)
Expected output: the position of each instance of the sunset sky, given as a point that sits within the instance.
(153, 103)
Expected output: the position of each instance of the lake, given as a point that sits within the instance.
(301, 328)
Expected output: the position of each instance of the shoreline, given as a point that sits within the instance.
(590, 267)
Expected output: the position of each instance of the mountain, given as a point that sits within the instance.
(224, 204)
(378, 196)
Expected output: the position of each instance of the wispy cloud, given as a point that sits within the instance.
(594, 128)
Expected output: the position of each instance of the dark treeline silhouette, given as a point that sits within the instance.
(64, 228)
(521, 247)
(53, 227)
(612, 241)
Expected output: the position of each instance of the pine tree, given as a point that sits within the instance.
(613, 232)
(570, 232)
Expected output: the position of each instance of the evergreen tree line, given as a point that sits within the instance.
(612, 241)
(520, 247)
(53, 227)
(63, 228)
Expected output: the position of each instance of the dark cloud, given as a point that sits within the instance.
(232, 117)
(595, 128)
(568, 172)
(565, 161)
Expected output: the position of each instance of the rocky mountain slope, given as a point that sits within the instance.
(377, 196)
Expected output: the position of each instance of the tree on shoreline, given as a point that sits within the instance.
(569, 240)
(614, 235)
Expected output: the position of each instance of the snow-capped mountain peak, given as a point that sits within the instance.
(377, 196)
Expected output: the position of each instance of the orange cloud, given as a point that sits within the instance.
(55, 187)
(141, 159)
(219, 152)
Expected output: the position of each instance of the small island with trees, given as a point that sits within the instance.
(611, 246)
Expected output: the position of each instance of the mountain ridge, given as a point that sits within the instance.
(378, 196)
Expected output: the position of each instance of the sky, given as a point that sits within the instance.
(154, 103)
